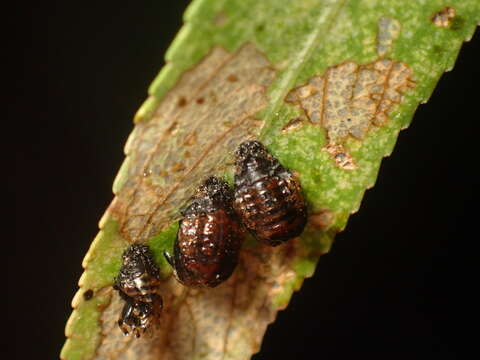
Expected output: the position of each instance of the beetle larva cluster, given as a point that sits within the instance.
(137, 284)
(266, 200)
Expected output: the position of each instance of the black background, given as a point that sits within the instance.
(398, 281)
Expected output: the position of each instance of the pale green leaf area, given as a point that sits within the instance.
(310, 55)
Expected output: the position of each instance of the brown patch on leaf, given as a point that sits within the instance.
(220, 19)
(321, 220)
(145, 205)
(172, 128)
(292, 125)
(178, 167)
(87, 295)
(182, 102)
(190, 139)
(224, 322)
(349, 99)
(444, 17)
(232, 78)
(342, 158)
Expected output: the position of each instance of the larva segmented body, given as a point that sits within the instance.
(209, 237)
(268, 199)
(137, 284)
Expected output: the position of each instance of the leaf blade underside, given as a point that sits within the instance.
(310, 79)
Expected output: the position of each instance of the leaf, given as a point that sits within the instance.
(326, 85)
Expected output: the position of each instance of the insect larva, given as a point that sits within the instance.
(137, 284)
(209, 237)
(268, 199)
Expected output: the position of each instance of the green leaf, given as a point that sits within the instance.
(326, 85)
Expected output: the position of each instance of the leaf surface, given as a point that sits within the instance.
(326, 85)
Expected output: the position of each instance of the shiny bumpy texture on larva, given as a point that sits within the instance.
(268, 199)
(209, 237)
(137, 284)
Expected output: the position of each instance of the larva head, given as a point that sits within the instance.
(250, 150)
(139, 274)
(212, 195)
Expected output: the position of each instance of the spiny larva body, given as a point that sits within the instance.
(137, 284)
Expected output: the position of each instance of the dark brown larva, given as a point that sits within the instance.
(268, 199)
(137, 284)
(209, 237)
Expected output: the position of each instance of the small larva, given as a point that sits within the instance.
(209, 237)
(268, 199)
(137, 284)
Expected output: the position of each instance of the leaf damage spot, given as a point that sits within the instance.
(342, 158)
(87, 295)
(444, 17)
(232, 78)
(388, 31)
(231, 88)
(178, 167)
(348, 99)
(220, 19)
(321, 220)
(182, 101)
(293, 125)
